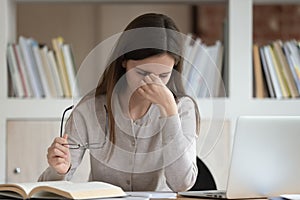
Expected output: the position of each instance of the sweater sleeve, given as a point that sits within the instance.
(74, 126)
(179, 140)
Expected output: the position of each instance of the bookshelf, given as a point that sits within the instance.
(240, 100)
(14, 108)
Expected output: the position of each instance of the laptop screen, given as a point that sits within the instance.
(265, 157)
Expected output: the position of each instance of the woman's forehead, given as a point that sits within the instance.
(155, 68)
(159, 61)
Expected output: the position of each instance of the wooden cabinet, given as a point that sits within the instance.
(27, 144)
(27, 153)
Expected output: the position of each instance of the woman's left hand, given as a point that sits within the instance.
(154, 90)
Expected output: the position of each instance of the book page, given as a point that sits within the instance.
(5, 194)
(51, 189)
(28, 187)
(80, 190)
(46, 195)
(25, 188)
(21, 188)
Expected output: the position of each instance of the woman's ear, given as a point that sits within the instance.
(124, 63)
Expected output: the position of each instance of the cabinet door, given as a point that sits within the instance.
(27, 144)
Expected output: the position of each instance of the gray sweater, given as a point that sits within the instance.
(150, 154)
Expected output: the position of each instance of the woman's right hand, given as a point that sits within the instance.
(59, 155)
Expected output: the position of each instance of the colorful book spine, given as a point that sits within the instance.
(273, 75)
(70, 67)
(35, 71)
(280, 62)
(14, 72)
(30, 63)
(57, 46)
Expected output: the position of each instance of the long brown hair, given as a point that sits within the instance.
(164, 40)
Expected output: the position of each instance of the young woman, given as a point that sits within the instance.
(138, 124)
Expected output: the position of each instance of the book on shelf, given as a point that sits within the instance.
(203, 68)
(187, 49)
(14, 72)
(23, 72)
(273, 75)
(294, 56)
(267, 76)
(225, 70)
(280, 63)
(209, 63)
(279, 72)
(70, 67)
(291, 85)
(259, 83)
(41, 69)
(57, 46)
(192, 73)
(35, 70)
(215, 69)
(55, 74)
(48, 72)
(61, 189)
(288, 56)
(30, 63)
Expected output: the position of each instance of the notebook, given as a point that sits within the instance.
(265, 159)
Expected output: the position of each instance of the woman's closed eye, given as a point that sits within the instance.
(143, 73)
(147, 73)
(164, 75)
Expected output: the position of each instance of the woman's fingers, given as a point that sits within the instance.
(61, 140)
(155, 79)
(147, 82)
(58, 150)
(65, 137)
(61, 145)
(152, 79)
(148, 79)
(58, 155)
(59, 161)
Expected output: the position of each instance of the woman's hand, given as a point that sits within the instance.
(154, 90)
(59, 155)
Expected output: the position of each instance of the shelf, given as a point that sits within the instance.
(276, 1)
(231, 108)
(122, 1)
(274, 26)
(157, 1)
(274, 107)
(34, 109)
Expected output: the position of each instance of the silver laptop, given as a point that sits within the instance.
(265, 160)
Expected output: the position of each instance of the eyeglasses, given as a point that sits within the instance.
(87, 145)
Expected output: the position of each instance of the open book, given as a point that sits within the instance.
(61, 189)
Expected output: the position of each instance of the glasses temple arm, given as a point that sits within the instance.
(62, 119)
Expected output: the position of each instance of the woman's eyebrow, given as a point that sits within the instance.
(148, 72)
(165, 73)
(144, 71)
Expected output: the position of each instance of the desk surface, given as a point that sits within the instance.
(195, 198)
(178, 198)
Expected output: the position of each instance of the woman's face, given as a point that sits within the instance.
(136, 70)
